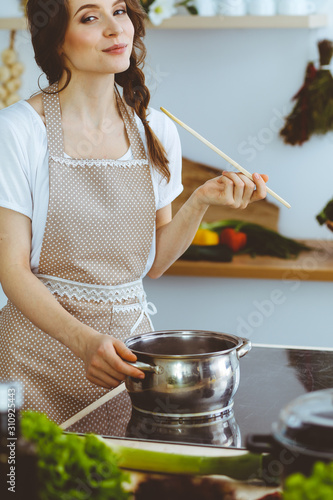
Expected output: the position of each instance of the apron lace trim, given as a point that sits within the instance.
(97, 293)
(74, 162)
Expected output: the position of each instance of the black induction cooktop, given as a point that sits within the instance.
(270, 377)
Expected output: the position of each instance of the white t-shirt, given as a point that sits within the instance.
(24, 169)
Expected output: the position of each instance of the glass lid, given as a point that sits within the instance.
(306, 424)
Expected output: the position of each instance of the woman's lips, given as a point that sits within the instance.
(116, 49)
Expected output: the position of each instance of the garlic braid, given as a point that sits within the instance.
(10, 73)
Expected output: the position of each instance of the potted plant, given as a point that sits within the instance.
(157, 10)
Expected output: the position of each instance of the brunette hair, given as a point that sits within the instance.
(48, 21)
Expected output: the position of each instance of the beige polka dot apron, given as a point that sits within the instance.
(97, 239)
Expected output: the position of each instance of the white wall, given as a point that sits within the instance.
(233, 86)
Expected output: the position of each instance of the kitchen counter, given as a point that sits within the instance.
(270, 377)
(315, 265)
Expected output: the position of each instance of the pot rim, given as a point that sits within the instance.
(306, 423)
(239, 342)
(273, 443)
(300, 449)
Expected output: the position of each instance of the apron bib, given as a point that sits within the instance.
(97, 239)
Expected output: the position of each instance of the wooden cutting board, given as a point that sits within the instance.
(194, 174)
(153, 487)
(238, 490)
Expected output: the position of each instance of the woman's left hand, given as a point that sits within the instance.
(232, 189)
(174, 235)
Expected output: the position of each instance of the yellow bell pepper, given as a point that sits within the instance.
(205, 237)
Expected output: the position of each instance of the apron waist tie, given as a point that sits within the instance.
(148, 309)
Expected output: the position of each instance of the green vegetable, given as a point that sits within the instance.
(73, 467)
(241, 466)
(318, 486)
(326, 214)
(215, 253)
(261, 240)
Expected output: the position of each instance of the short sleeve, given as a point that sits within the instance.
(15, 182)
(166, 131)
(169, 191)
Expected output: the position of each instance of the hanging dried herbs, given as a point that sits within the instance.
(313, 109)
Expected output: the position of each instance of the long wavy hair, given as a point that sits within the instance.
(48, 23)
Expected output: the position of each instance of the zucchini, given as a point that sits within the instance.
(242, 466)
(214, 253)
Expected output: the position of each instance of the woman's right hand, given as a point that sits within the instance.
(105, 359)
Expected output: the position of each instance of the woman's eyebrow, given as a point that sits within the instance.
(87, 6)
(93, 6)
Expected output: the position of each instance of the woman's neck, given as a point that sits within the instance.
(90, 100)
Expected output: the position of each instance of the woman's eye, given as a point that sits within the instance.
(88, 19)
(120, 11)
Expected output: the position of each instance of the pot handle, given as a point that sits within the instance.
(244, 348)
(145, 367)
(259, 443)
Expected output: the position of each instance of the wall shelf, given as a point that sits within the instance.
(13, 23)
(216, 22)
(243, 22)
(316, 265)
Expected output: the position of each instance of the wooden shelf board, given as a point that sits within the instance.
(242, 22)
(214, 22)
(316, 265)
(13, 23)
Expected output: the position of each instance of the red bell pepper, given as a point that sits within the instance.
(235, 240)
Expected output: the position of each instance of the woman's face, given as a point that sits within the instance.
(99, 37)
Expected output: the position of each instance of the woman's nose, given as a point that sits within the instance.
(113, 28)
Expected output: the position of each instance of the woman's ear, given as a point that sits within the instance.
(60, 50)
(62, 55)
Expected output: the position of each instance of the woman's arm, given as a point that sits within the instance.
(174, 236)
(101, 354)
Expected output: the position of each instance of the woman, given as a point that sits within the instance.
(78, 234)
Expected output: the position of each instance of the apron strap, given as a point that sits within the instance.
(52, 110)
(128, 116)
(54, 130)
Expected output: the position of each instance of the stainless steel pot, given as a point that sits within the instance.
(189, 374)
(218, 431)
